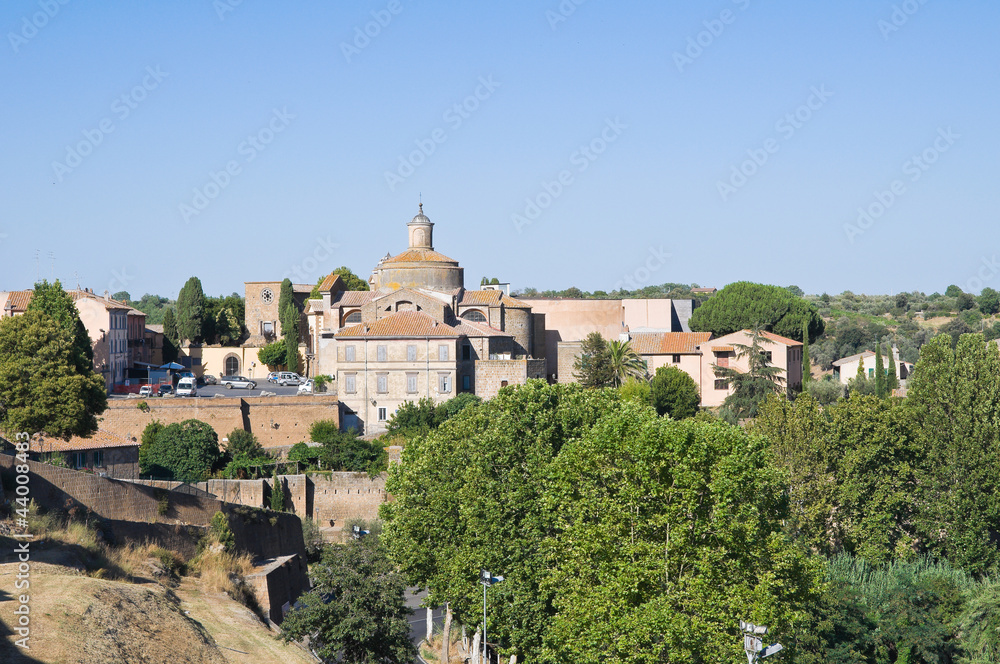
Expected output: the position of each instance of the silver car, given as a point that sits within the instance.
(237, 381)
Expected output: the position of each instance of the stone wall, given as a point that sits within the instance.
(492, 375)
(278, 584)
(567, 353)
(275, 420)
(336, 497)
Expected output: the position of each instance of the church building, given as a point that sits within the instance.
(418, 333)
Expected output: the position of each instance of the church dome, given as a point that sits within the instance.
(421, 218)
(419, 266)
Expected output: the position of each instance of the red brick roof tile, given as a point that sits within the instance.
(419, 256)
(403, 324)
(668, 343)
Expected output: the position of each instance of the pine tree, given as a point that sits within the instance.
(51, 299)
(277, 492)
(861, 369)
(879, 371)
(806, 366)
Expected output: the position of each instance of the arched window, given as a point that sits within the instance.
(352, 318)
(232, 364)
(475, 316)
(404, 305)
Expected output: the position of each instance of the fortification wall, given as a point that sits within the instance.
(276, 421)
(337, 497)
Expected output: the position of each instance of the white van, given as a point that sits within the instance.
(187, 387)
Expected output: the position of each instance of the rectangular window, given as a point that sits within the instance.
(443, 353)
(350, 383)
(677, 359)
(382, 354)
(411, 383)
(871, 373)
(722, 358)
(99, 458)
(79, 459)
(720, 384)
(466, 352)
(767, 356)
(382, 383)
(444, 382)
(349, 353)
(382, 414)
(196, 361)
(466, 383)
(411, 353)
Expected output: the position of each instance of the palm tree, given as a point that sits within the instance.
(751, 387)
(625, 362)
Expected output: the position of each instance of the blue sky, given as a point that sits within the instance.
(554, 145)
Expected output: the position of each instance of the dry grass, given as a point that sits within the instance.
(456, 654)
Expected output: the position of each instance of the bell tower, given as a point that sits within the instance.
(421, 231)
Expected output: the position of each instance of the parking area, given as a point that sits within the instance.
(209, 391)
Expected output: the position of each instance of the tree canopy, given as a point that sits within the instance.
(743, 305)
(58, 305)
(593, 367)
(571, 494)
(42, 385)
(674, 393)
(356, 612)
(191, 311)
(185, 451)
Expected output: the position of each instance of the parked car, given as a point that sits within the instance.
(146, 391)
(273, 377)
(289, 378)
(237, 381)
(210, 379)
(164, 389)
(306, 387)
(187, 387)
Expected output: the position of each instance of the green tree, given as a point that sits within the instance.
(356, 612)
(292, 350)
(346, 451)
(191, 311)
(674, 393)
(277, 492)
(989, 301)
(892, 380)
(42, 387)
(625, 363)
(240, 442)
(965, 301)
(952, 291)
(227, 328)
(122, 296)
(171, 337)
(273, 354)
(52, 300)
(636, 390)
(672, 528)
(953, 401)
(827, 391)
(288, 308)
(743, 305)
(352, 282)
(879, 371)
(185, 451)
(749, 388)
(593, 367)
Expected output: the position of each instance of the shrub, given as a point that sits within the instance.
(219, 527)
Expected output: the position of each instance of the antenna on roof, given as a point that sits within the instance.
(38, 275)
(52, 265)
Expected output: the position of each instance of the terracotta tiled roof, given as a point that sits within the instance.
(329, 282)
(419, 256)
(354, 298)
(100, 440)
(108, 303)
(723, 349)
(470, 329)
(302, 288)
(852, 358)
(780, 339)
(514, 303)
(18, 300)
(480, 297)
(668, 343)
(403, 324)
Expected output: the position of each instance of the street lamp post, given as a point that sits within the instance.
(487, 580)
(754, 646)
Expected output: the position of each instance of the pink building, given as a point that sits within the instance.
(782, 352)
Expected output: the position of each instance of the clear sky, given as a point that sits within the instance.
(554, 144)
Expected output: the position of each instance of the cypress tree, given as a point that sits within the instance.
(879, 372)
(806, 366)
(191, 311)
(170, 339)
(861, 369)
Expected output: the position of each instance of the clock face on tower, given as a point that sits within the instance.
(267, 296)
